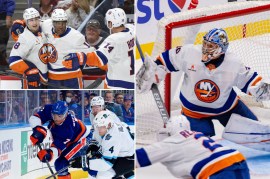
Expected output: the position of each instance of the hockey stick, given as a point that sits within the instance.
(39, 146)
(60, 171)
(156, 94)
(95, 84)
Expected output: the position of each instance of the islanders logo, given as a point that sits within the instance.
(48, 53)
(206, 91)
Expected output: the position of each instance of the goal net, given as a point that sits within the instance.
(248, 27)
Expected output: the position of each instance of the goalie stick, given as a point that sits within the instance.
(93, 85)
(156, 94)
(50, 168)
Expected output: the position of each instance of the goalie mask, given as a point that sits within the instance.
(215, 43)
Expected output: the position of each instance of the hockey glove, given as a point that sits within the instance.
(149, 74)
(39, 134)
(33, 78)
(93, 150)
(45, 155)
(261, 91)
(17, 28)
(75, 60)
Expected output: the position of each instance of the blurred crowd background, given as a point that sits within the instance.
(17, 106)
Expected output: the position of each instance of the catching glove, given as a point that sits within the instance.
(148, 74)
(261, 91)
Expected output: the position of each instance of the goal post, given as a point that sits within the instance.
(248, 27)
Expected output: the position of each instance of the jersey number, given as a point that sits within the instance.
(110, 48)
(111, 149)
(208, 142)
(131, 55)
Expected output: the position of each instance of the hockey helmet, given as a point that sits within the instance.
(30, 13)
(102, 119)
(59, 15)
(177, 124)
(97, 101)
(60, 108)
(116, 16)
(215, 43)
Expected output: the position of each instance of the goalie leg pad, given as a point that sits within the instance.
(247, 132)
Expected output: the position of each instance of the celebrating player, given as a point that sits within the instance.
(116, 52)
(62, 41)
(117, 148)
(188, 154)
(58, 38)
(69, 135)
(25, 57)
(207, 90)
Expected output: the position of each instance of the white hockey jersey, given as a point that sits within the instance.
(59, 46)
(29, 48)
(188, 154)
(117, 52)
(207, 92)
(116, 143)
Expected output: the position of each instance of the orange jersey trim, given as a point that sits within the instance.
(198, 115)
(64, 76)
(220, 165)
(19, 66)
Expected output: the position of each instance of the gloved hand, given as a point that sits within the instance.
(38, 135)
(261, 91)
(75, 60)
(33, 78)
(17, 28)
(150, 73)
(93, 150)
(45, 155)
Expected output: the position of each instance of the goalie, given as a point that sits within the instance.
(209, 76)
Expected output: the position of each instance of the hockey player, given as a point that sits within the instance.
(98, 105)
(117, 148)
(62, 41)
(58, 38)
(188, 154)
(116, 52)
(69, 135)
(26, 57)
(207, 90)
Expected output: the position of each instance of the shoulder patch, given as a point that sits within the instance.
(108, 137)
